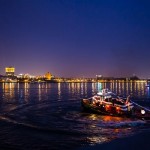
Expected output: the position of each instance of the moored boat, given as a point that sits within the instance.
(106, 102)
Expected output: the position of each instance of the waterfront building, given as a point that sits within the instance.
(48, 76)
(10, 71)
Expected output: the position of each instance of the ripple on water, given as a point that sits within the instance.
(92, 128)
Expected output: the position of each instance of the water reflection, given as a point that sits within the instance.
(39, 89)
(8, 91)
(93, 88)
(59, 91)
(99, 86)
(135, 89)
(97, 139)
(51, 108)
(78, 88)
(82, 89)
(24, 92)
(148, 91)
(93, 117)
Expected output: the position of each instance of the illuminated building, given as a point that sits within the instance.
(10, 71)
(48, 76)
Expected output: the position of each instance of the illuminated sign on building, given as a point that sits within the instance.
(10, 71)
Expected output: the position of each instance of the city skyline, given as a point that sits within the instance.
(11, 72)
(75, 38)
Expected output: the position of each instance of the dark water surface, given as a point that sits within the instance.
(49, 115)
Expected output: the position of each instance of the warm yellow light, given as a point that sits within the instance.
(48, 76)
(10, 69)
(141, 81)
(117, 108)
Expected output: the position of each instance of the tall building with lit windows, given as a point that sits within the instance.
(10, 71)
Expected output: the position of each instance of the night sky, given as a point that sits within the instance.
(76, 38)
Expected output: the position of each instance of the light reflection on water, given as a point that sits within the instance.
(135, 89)
(56, 107)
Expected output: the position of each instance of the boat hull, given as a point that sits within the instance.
(135, 112)
(104, 109)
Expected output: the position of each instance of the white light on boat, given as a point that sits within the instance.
(142, 112)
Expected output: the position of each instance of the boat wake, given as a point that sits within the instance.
(124, 124)
(39, 128)
(52, 120)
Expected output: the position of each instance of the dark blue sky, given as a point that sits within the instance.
(76, 38)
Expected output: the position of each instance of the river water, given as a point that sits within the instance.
(50, 116)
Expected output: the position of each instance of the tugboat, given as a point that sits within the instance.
(106, 102)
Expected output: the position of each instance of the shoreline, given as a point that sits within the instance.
(134, 142)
